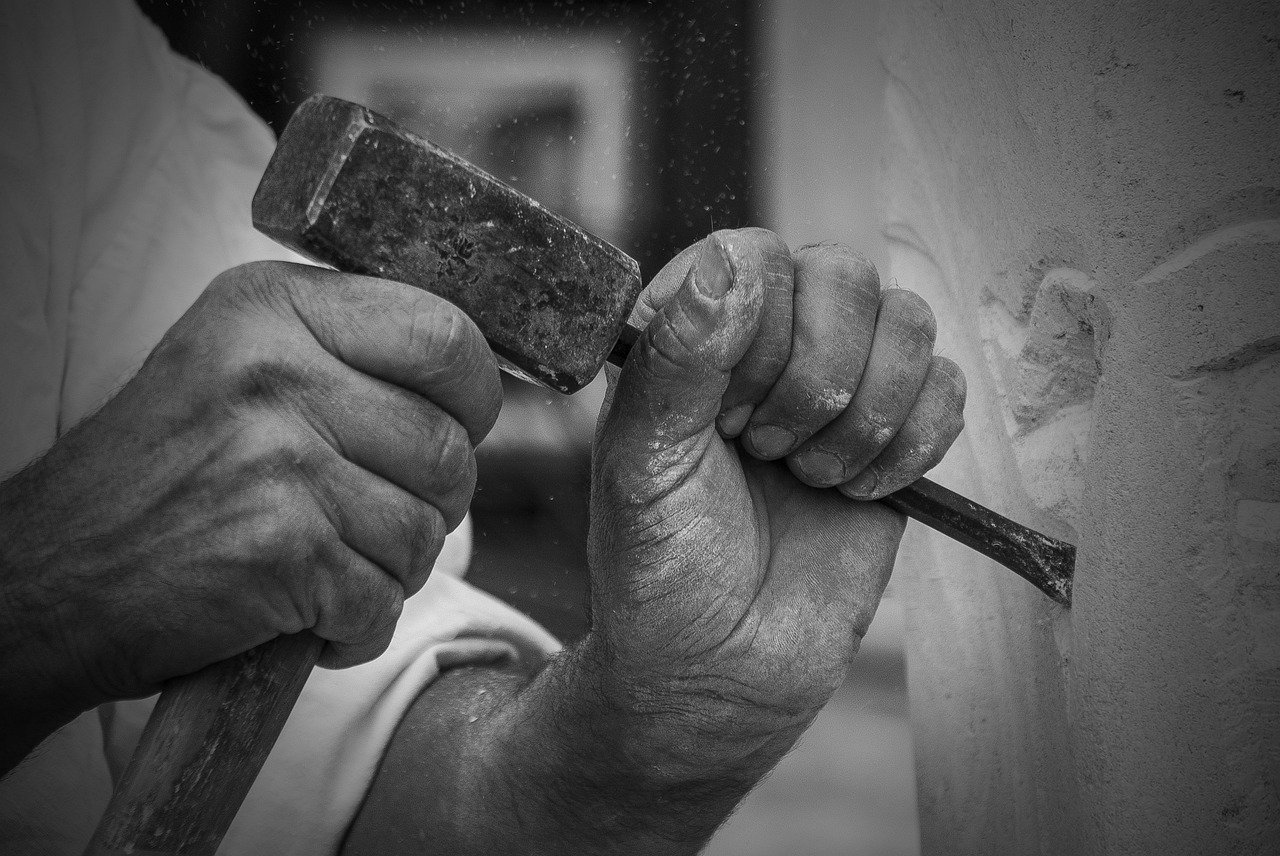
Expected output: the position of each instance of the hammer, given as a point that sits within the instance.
(349, 189)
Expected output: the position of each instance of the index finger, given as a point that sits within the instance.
(397, 333)
(764, 256)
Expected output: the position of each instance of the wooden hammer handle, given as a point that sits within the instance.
(201, 749)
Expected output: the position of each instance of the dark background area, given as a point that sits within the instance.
(696, 83)
(692, 162)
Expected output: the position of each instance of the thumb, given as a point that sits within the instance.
(671, 386)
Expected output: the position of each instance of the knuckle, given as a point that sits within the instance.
(314, 552)
(451, 462)
(857, 268)
(449, 352)
(931, 457)
(822, 679)
(953, 425)
(828, 399)
(263, 534)
(953, 379)
(872, 430)
(277, 532)
(924, 446)
(672, 346)
(309, 458)
(759, 234)
(325, 600)
(843, 262)
(233, 281)
(925, 454)
(484, 399)
(440, 335)
(375, 608)
(423, 540)
(808, 403)
(267, 447)
(792, 694)
(300, 586)
(357, 605)
(765, 240)
(253, 282)
(264, 373)
(911, 313)
(278, 469)
(753, 377)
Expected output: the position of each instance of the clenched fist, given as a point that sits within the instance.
(290, 457)
(732, 573)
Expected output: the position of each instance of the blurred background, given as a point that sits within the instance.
(650, 124)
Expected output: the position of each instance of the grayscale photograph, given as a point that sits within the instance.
(640, 427)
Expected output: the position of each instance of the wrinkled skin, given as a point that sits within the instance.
(289, 457)
(732, 575)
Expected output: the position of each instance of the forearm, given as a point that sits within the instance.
(492, 762)
(38, 695)
(31, 707)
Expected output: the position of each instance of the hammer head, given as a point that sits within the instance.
(348, 188)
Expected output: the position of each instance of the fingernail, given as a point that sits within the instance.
(732, 421)
(771, 441)
(712, 275)
(820, 467)
(864, 485)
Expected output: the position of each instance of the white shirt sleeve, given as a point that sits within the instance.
(318, 773)
(316, 776)
(126, 174)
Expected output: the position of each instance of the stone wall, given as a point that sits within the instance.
(1089, 195)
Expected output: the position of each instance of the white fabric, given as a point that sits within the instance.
(125, 179)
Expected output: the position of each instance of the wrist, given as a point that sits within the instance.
(684, 723)
(35, 700)
(535, 764)
(623, 775)
(554, 761)
(583, 752)
(41, 684)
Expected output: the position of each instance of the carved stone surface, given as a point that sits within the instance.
(1089, 195)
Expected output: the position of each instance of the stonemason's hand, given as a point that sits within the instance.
(733, 581)
(289, 457)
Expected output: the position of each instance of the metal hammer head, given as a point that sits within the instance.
(348, 188)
